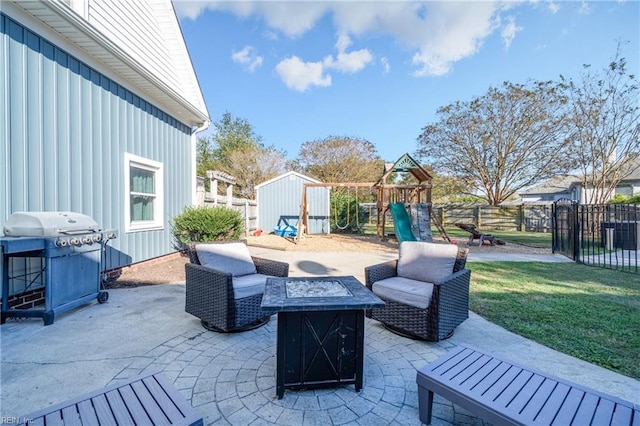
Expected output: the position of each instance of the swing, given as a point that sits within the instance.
(335, 213)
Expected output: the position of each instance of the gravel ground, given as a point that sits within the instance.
(169, 269)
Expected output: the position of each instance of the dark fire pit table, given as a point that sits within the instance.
(320, 330)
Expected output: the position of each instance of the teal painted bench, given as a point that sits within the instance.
(144, 400)
(504, 393)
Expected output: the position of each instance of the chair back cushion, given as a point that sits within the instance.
(232, 258)
(429, 262)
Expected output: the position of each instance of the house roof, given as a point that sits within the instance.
(167, 79)
(552, 186)
(565, 182)
(287, 174)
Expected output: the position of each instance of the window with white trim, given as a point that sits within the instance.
(143, 206)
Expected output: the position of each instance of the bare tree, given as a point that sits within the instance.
(603, 127)
(254, 165)
(340, 159)
(500, 142)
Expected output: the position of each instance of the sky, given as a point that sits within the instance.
(379, 70)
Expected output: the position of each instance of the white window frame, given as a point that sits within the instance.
(131, 160)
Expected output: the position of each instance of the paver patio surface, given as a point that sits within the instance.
(230, 378)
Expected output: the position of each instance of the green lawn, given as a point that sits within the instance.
(584, 311)
(531, 239)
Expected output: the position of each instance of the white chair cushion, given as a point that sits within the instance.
(429, 262)
(233, 258)
(248, 285)
(403, 290)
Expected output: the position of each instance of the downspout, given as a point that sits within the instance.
(194, 183)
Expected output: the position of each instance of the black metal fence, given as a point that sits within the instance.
(606, 235)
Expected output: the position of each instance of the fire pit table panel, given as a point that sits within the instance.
(320, 330)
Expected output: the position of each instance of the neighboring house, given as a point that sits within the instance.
(550, 191)
(99, 114)
(571, 187)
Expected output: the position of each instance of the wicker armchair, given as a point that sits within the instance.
(447, 308)
(223, 307)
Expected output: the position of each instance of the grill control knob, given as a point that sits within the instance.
(87, 240)
(111, 235)
(75, 242)
(97, 238)
(61, 243)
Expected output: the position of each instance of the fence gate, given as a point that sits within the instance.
(565, 228)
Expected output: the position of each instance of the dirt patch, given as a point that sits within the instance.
(170, 269)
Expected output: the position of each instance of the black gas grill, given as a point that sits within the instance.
(62, 251)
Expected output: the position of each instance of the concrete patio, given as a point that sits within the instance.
(230, 378)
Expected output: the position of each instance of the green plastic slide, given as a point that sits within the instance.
(401, 223)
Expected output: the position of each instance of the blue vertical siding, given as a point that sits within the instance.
(282, 197)
(65, 128)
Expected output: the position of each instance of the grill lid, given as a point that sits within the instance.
(48, 224)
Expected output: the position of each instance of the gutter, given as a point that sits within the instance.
(194, 177)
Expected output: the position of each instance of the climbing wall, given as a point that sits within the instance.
(420, 221)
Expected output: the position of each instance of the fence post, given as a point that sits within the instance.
(229, 195)
(520, 218)
(200, 191)
(246, 218)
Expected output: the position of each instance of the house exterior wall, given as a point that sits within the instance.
(124, 21)
(282, 197)
(65, 129)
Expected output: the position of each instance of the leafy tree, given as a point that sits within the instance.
(450, 189)
(237, 150)
(603, 127)
(340, 159)
(500, 142)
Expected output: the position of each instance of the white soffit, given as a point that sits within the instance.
(177, 91)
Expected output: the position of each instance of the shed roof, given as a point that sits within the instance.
(285, 175)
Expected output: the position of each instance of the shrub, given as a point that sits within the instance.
(622, 199)
(204, 224)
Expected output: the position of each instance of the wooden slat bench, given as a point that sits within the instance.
(504, 393)
(144, 400)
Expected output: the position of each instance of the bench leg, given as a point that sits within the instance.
(425, 404)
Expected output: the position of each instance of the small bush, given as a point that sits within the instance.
(622, 199)
(204, 224)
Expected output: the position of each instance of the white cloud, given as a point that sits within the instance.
(385, 65)
(509, 31)
(438, 33)
(554, 7)
(189, 9)
(350, 62)
(299, 75)
(293, 18)
(248, 57)
(585, 8)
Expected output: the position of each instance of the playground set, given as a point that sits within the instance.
(408, 204)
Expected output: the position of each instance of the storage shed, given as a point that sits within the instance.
(281, 198)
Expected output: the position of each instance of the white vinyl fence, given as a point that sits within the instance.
(247, 208)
